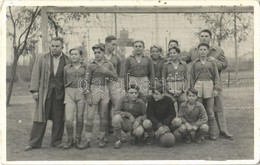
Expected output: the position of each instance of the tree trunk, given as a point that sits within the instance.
(10, 87)
(220, 30)
(32, 59)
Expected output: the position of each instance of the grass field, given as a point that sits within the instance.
(239, 106)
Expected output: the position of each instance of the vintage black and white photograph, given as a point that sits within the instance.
(114, 82)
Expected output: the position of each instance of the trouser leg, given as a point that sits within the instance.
(219, 114)
(57, 115)
(109, 117)
(37, 134)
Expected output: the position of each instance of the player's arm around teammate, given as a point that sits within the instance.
(74, 77)
(98, 97)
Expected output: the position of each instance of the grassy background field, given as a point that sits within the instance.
(239, 106)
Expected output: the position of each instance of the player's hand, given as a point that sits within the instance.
(35, 96)
(171, 91)
(189, 127)
(86, 92)
(194, 128)
(89, 100)
(215, 93)
(132, 119)
(136, 124)
(177, 93)
(212, 58)
(162, 130)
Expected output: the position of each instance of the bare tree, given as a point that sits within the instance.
(222, 25)
(25, 30)
(24, 21)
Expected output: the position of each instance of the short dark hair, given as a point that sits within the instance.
(80, 51)
(139, 41)
(58, 39)
(193, 91)
(172, 40)
(100, 46)
(206, 31)
(157, 47)
(203, 44)
(133, 86)
(178, 50)
(110, 38)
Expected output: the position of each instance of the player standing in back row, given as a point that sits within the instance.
(217, 54)
(113, 86)
(139, 70)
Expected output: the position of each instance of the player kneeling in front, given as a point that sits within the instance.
(161, 113)
(194, 118)
(129, 115)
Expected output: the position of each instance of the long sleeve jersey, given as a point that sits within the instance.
(75, 78)
(160, 112)
(215, 52)
(158, 67)
(96, 77)
(207, 71)
(115, 60)
(136, 109)
(197, 116)
(136, 69)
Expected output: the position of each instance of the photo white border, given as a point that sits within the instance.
(150, 3)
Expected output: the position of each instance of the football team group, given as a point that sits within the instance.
(155, 98)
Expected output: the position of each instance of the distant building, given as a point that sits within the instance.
(124, 39)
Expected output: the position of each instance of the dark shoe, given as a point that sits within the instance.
(226, 135)
(106, 139)
(212, 137)
(188, 139)
(84, 145)
(202, 137)
(150, 140)
(123, 140)
(69, 144)
(77, 142)
(134, 140)
(118, 144)
(102, 142)
(29, 148)
(60, 145)
(198, 138)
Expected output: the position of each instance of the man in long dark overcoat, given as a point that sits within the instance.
(47, 88)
